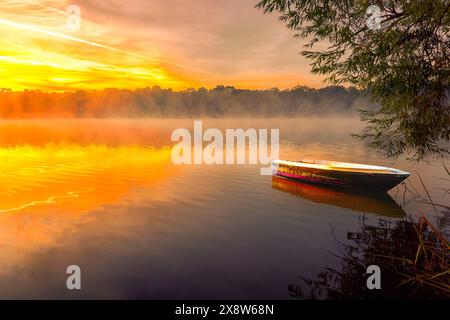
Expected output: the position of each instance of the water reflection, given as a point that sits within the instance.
(104, 195)
(381, 204)
(46, 191)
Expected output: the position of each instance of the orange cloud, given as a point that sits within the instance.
(146, 43)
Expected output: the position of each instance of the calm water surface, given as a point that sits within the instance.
(103, 194)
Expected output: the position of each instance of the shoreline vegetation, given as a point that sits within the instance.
(156, 102)
(413, 253)
(402, 62)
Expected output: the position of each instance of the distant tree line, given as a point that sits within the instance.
(156, 102)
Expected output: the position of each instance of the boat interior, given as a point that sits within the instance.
(344, 166)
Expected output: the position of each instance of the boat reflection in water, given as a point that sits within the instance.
(378, 203)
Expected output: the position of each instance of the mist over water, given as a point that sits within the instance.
(103, 194)
(219, 102)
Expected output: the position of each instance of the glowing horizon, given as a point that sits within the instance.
(116, 47)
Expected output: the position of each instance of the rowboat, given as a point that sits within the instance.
(340, 174)
(355, 200)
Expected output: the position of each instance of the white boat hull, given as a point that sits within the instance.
(341, 174)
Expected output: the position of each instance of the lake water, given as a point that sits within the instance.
(104, 195)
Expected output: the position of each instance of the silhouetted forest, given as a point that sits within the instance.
(156, 103)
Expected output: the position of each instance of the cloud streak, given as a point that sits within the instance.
(171, 44)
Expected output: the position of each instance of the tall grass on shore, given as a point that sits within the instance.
(431, 264)
(414, 258)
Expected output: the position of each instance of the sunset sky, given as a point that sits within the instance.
(141, 43)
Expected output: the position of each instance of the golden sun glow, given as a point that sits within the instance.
(47, 190)
(48, 57)
(25, 166)
(144, 43)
